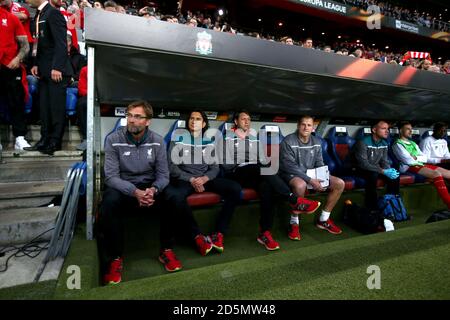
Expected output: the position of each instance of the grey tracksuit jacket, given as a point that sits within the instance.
(297, 157)
(128, 165)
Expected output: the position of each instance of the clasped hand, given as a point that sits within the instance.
(145, 197)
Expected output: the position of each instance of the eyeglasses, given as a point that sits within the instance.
(135, 116)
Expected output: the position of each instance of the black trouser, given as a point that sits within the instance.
(177, 192)
(267, 186)
(371, 177)
(52, 109)
(82, 115)
(11, 88)
(115, 206)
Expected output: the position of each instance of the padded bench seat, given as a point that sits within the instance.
(211, 198)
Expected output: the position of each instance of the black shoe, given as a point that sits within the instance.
(51, 148)
(39, 146)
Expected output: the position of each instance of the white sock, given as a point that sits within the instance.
(294, 219)
(324, 215)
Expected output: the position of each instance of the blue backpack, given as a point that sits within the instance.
(392, 207)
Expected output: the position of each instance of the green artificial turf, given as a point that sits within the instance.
(413, 263)
(413, 260)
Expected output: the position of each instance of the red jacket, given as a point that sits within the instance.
(82, 82)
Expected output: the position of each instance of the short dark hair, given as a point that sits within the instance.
(204, 116)
(110, 3)
(145, 105)
(238, 113)
(439, 125)
(401, 124)
(305, 116)
(376, 122)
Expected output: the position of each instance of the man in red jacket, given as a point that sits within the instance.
(14, 48)
(82, 106)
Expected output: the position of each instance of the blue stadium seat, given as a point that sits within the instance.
(349, 181)
(363, 132)
(121, 122)
(340, 145)
(71, 101)
(178, 124)
(32, 90)
(416, 136)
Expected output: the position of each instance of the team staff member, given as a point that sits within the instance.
(243, 164)
(371, 154)
(136, 173)
(194, 169)
(51, 65)
(299, 152)
(413, 160)
(13, 84)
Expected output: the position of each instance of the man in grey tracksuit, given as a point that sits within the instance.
(299, 152)
(136, 173)
(194, 169)
(371, 154)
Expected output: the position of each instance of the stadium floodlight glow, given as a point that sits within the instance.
(339, 37)
(259, 19)
(373, 44)
(303, 29)
(440, 58)
(387, 47)
(357, 41)
(280, 24)
(220, 12)
(323, 33)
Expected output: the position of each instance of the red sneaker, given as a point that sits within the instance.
(266, 240)
(204, 244)
(329, 226)
(170, 261)
(217, 241)
(294, 232)
(304, 206)
(114, 275)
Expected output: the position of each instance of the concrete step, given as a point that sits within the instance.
(19, 190)
(72, 134)
(22, 225)
(24, 203)
(34, 171)
(68, 153)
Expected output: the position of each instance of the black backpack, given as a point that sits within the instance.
(439, 216)
(363, 219)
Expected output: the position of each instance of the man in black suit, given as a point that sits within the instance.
(52, 66)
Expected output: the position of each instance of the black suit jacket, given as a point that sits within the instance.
(52, 43)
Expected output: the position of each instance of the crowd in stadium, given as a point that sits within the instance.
(73, 13)
(423, 19)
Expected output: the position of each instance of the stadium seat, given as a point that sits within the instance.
(71, 101)
(349, 181)
(271, 138)
(121, 122)
(32, 91)
(203, 199)
(415, 136)
(178, 124)
(340, 144)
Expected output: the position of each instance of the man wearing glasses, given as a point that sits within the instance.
(136, 172)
